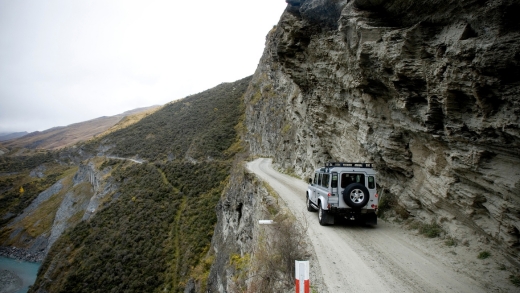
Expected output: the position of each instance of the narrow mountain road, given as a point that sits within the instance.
(356, 258)
(127, 159)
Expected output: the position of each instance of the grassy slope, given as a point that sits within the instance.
(157, 229)
(199, 126)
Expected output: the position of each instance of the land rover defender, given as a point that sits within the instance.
(343, 190)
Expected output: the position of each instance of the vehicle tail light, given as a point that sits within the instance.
(329, 195)
(376, 195)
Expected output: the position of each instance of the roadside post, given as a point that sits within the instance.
(302, 276)
(266, 222)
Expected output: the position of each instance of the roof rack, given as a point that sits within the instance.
(345, 164)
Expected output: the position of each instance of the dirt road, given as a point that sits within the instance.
(356, 258)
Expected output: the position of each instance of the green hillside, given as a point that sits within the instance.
(200, 126)
(157, 227)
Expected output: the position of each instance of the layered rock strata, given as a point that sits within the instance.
(427, 90)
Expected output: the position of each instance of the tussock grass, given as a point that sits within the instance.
(450, 242)
(484, 255)
(431, 230)
(515, 279)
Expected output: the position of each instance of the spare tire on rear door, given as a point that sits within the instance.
(356, 195)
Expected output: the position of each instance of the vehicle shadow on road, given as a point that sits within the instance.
(352, 224)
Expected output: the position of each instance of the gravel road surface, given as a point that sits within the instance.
(355, 258)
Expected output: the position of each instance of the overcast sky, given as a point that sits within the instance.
(64, 61)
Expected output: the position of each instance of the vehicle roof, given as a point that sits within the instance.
(347, 167)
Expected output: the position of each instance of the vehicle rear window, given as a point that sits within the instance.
(347, 179)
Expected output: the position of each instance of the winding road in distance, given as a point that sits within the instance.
(355, 258)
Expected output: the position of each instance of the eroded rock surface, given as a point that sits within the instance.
(427, 90)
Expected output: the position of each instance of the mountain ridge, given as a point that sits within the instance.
(63, 136)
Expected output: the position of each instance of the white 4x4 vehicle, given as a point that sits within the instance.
(343, 190)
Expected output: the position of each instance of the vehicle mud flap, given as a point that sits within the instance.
(371, 219)
(331, 219)
(325, 218)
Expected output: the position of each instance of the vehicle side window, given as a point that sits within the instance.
(334, 181)
(316, 178)
(319, 179)
(325, 180)
(371, 182)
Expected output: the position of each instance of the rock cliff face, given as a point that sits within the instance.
(427, 90)
(238, 211)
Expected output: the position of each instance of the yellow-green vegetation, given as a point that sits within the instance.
(256, 97)
(40, 220)
(128, 120)
(178, 128)
(12, 201)
(153, 235)
(241, 265)
(147, 245)
(201, 272)
(11, 164)
(286, 128)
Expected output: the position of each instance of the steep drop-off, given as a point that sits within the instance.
(132, 210)
(427, 90)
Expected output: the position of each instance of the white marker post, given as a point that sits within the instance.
(302, 276)
(266, 222)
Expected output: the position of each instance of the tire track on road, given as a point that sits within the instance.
(364, 259)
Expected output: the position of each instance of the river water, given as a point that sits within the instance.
(27, 271)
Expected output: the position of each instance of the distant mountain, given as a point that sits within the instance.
(62, 136)
(13, 135)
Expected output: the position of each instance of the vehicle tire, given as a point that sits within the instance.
(323, 216)
(356, 195)
(310, 208)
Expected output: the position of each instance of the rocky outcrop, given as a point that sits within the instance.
(88, 191)
(242, 205)
(427, 90)
(58, 208)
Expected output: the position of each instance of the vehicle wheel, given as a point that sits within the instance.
(323, 216)
(356, 195)
(310, 208)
